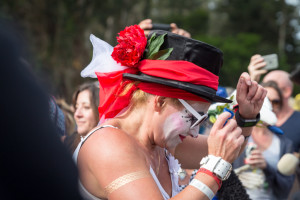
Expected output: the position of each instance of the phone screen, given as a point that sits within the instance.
(271, 60)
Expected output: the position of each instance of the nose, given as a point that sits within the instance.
(78, 113)
(194, 132)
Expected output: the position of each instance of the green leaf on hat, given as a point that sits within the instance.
(153, 46)
(161, 55)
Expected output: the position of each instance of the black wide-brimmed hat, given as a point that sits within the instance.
(194, 52)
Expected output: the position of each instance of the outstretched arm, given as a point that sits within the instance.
(250, 97)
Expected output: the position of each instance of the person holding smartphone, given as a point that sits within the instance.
(260, 65)
(147, 26)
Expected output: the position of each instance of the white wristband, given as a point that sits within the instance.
(203, 188)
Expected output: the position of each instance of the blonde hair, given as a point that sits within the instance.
(139, 97)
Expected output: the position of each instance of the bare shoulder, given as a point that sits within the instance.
(110, 153)
(112, 143)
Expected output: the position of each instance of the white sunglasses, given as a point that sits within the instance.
(197, 117)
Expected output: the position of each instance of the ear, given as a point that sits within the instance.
(287, 92)
(159, 103)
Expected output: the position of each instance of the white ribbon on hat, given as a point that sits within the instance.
(102, 60)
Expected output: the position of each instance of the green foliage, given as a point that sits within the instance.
(236, 54)
(57, 31)
(152, 49)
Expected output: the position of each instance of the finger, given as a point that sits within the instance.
(236, 134)
(258, 65)
(252, 90)
(255, 152)
(260, 72)
(256, 56)
(173, 26)
(247, 78)
(241, 138)
(147, 21)
(176, 31)
(255, 156)
(180, 32)
(264, 95)
(258, 95)
(146, 24)
(220, 122)
(252, 162)
(230, 125)
(146, 33)
(187, 34)
(242, 87)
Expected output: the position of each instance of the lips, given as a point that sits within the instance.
(80, 122)
(182, 137)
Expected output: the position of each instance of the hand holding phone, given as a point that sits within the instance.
(271, 60)
(166, 27)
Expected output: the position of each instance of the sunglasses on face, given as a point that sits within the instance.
(197, 118)
(275, 102)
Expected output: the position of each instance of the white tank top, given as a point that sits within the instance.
(173, 169)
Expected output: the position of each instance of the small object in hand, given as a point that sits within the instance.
(271, 60)
(165, 27)
(231, 116)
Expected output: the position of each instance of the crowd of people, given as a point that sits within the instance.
(135, 133)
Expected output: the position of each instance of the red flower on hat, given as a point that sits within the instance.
(132, 43)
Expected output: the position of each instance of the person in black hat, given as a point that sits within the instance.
(154, 94)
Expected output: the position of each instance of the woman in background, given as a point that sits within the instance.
(85, 103)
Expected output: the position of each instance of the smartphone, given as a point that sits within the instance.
(249, 148)
(271, 60)
(165, 27)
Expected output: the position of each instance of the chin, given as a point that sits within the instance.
(173, 145)
(82, 132)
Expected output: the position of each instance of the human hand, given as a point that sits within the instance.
(146, 25)
(225, 141)
(250, 96)
(255, 67)
(179, 31)
(256, 159)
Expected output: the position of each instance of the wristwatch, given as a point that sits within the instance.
(246, 122)
(218, 166)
